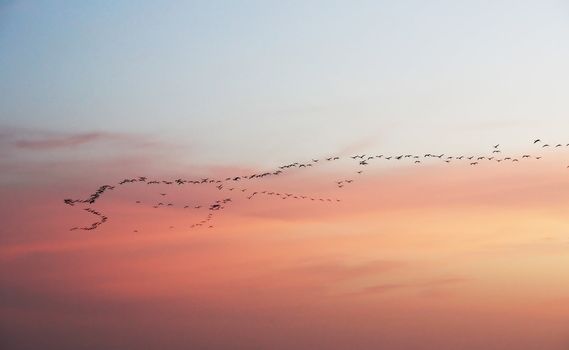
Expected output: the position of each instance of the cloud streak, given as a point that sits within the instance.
(65, 141)
(44, 141)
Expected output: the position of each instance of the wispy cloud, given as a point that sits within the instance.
(63, 141)
(337, 271)
(34, 140)
(26, 152)
(434, 283)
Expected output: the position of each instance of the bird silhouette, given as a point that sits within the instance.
(249, 193)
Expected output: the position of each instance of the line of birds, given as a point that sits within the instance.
(221, 184)
(281, 195)
(364, 161)
(96, 224)
(220, 204)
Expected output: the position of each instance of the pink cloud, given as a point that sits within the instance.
(64, 141)
(430, 284)
(30, 139)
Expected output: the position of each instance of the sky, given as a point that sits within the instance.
(429, 255)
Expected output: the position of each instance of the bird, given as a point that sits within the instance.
(220, 204)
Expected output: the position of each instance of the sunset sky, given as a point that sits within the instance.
(429, 255)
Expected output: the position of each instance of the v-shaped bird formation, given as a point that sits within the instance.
(237, 184)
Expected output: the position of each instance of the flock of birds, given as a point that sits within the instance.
(229, 183)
